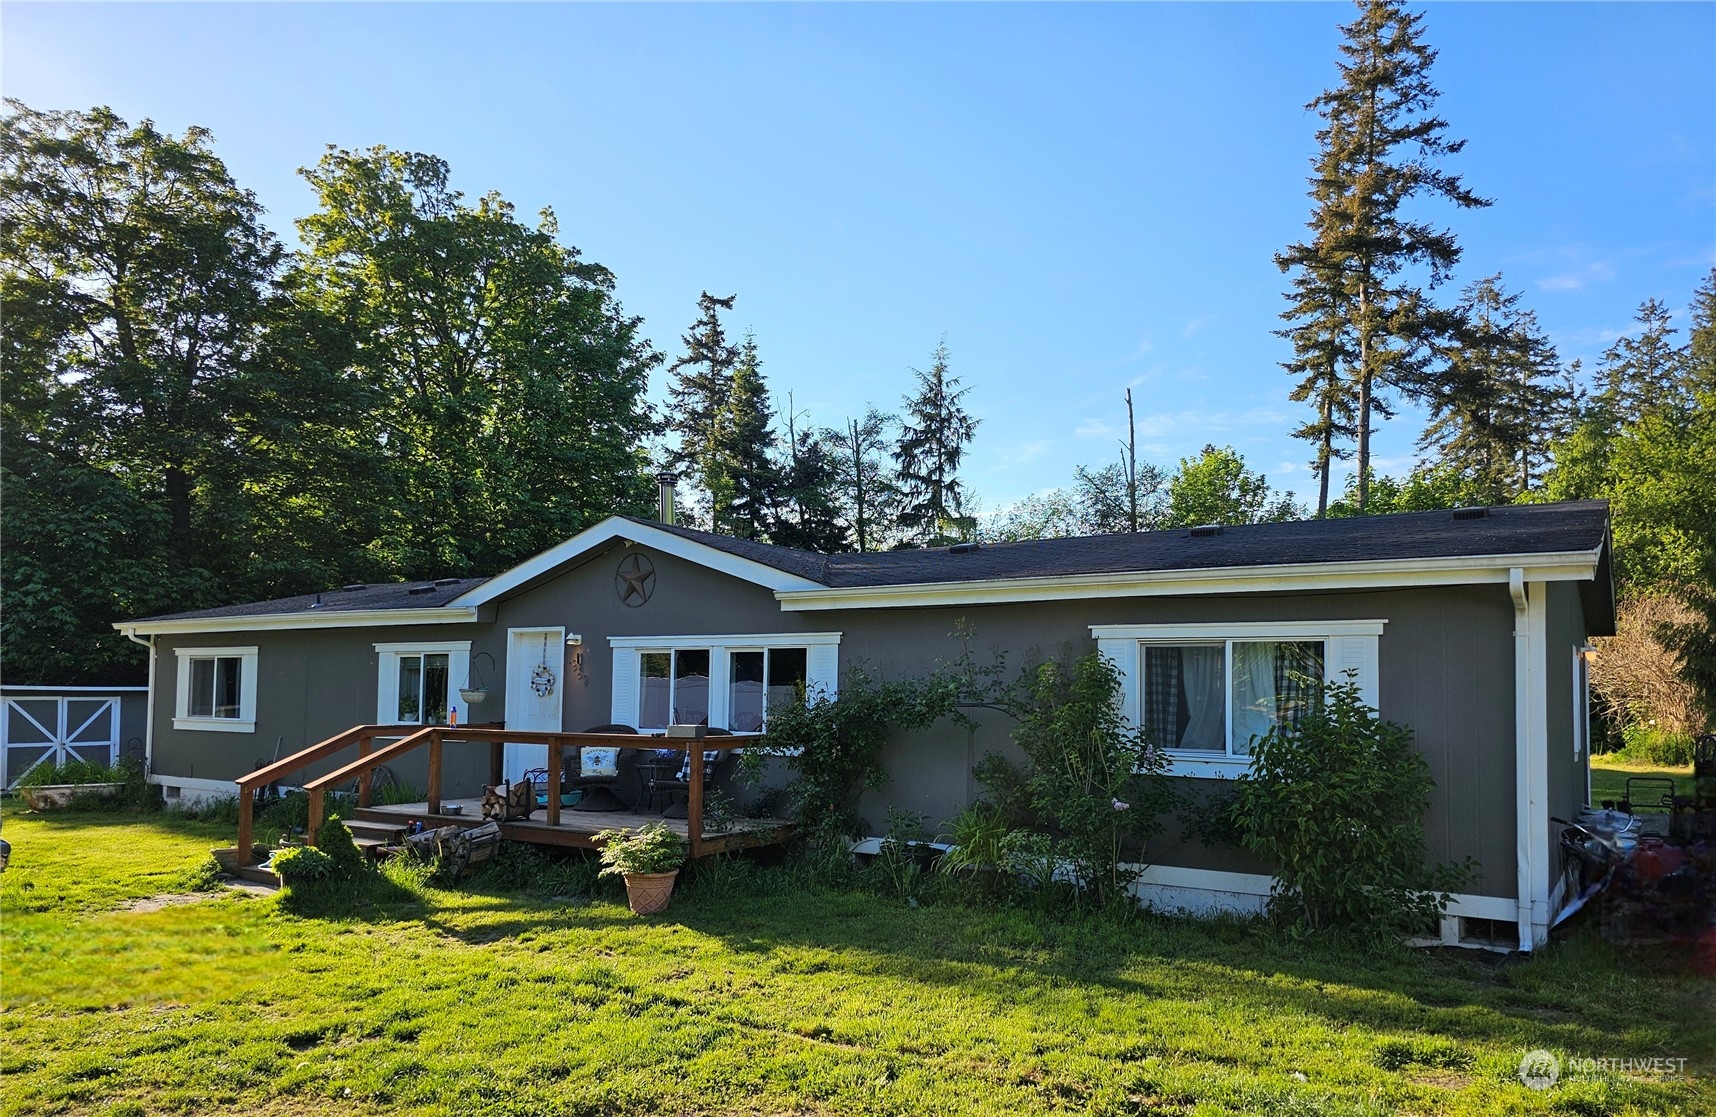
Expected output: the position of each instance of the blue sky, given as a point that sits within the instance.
(1082, 198)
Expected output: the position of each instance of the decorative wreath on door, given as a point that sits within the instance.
(542, 678)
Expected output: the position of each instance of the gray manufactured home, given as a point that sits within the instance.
(1470, 627)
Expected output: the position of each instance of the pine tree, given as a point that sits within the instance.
(697, 393)
(862, 478)
(1502, 400)
(1378, 149)
(933, 436)
(1700, 355)
(1322, 350)
(809, 514)
(1644, 373)
(747, 481)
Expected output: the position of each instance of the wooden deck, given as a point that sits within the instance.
(578, 828)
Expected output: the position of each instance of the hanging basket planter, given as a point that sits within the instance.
(475, 690)
(473, 695)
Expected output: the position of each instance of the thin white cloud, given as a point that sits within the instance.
(1144, 348)
(1197, 324)
(1096, 428)
(1579, 278)
(1029, 452)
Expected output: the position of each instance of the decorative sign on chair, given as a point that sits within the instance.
(635, 580)
(542, 679)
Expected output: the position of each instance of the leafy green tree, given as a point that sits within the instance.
(1425, 489)
(934, 432)
(866, 488)
(697, 390)
(512, 384)
(1501, 401)
(1099, 502)
(1379, 148)
(743, 503)
(1216, 488)
(134, 274)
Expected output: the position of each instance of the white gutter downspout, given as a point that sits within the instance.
(149, 710)
(1531, 755)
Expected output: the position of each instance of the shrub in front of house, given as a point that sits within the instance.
(1336, 806)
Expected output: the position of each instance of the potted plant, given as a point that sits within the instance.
(648, 858)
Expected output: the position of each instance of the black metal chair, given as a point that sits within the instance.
(679, 783)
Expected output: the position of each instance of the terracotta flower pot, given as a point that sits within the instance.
(648, 893)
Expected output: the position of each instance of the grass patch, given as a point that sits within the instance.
(514, 996)
(1609, 776)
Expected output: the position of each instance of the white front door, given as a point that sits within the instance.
(535, 689)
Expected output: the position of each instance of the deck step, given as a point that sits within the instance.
(257, 875)
(384, 833)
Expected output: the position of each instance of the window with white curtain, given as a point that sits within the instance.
(1206, 691)
(1219, 696)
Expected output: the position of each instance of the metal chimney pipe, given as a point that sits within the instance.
(664, 489)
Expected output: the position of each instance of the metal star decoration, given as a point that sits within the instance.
(635, 580)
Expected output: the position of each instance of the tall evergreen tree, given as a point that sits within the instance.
(746, 481)
(1644, 373)
(1379, 148)
(866, 486)
(809, 514)
(934, 432)
(1322, 352)
(1502, 401)
(1699, 362)
(697, 390)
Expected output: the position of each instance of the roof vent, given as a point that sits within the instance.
(446, 581)
(963, 548)
(421, 589)
(1477, 513)
(1206, 531)
(354, 586)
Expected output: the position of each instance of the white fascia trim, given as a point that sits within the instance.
(618, 528)
(1562, 566)
(739, 642)
(216, 725)
(47, 690)
(1221, 630)
(352, 618)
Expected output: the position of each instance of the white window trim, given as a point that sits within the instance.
(458, 653)
(246, 720)
(1347, 645)
(822, 666)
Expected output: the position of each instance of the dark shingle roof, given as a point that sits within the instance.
(1519, 529)
(384, 595)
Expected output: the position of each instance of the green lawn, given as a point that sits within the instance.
(1609, 777)
(754, 995)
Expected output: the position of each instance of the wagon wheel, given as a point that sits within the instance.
(381, 779)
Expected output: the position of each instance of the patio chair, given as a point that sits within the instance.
(599, 770)
(679, 782)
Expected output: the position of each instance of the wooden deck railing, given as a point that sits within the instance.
(436, 737)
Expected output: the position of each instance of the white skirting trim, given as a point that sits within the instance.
(188, 791)
(1206, 891)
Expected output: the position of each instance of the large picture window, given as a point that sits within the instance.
(728, 682)
(216, 690)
